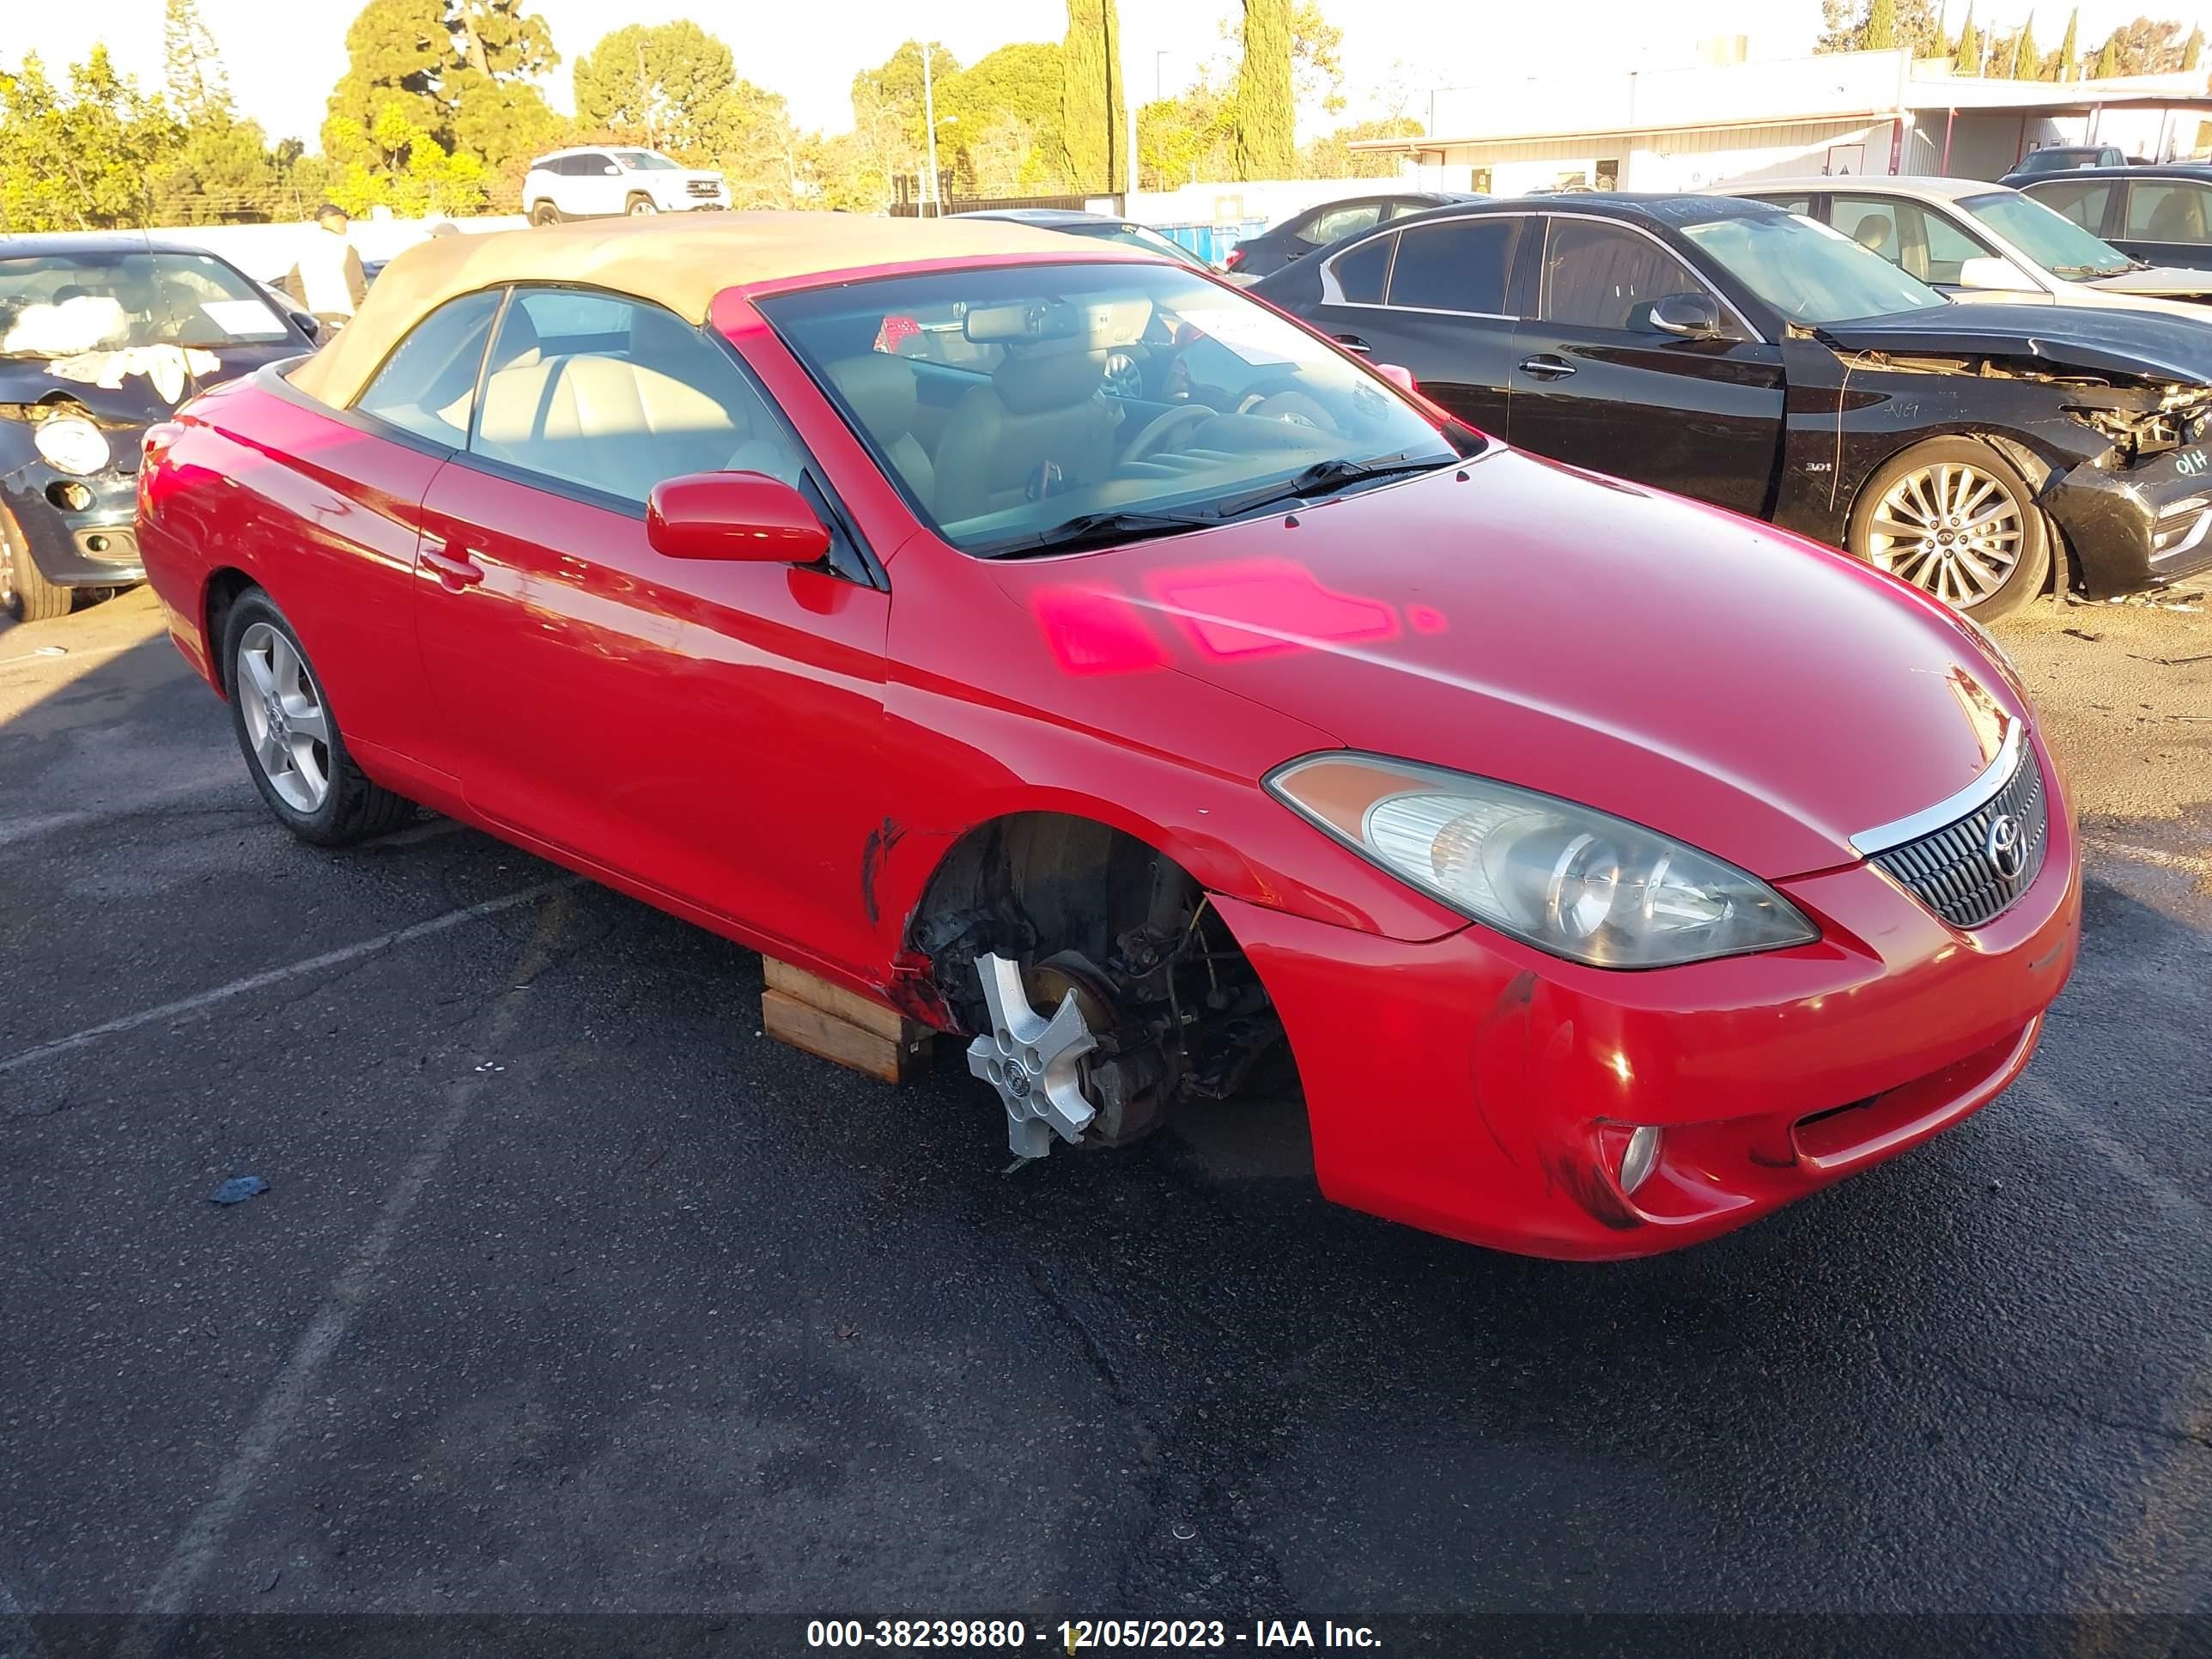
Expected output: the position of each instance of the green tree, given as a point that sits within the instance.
(199, 90)
(2147, 46)
(396, 163)
(79, 159)
(659, 84)
(2108, 58)
(396, 51)
(2193, 48)
(2027, 61)
(1092, 115)
(1188, 137)
(1316, 58)
(1331, 156)
(1969, 58)
(1008, 132)
(1852, 26)
(1265, 113)
(2069, 49)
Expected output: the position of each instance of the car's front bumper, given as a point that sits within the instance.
(2144, 527)
(1482, 1089)
(92, 546)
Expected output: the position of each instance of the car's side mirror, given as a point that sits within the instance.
(1990, 272)
(1399, 375)
(1690, 316)
(742, 516)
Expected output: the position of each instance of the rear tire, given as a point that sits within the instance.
(545, 214)
(289, 735)
(640, 205)
(25, 592)
(1956, 520)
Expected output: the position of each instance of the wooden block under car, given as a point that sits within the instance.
(828, 1021)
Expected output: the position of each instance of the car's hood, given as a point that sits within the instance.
(136, 399)
(1715, 678)
(2169, 281)
(2090, 339)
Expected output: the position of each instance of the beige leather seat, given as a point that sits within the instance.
(881, 390)
(1043, 425)
(619, 426)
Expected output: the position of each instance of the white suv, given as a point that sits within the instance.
(600, 183)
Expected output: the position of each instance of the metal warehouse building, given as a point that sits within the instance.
(1860, 112)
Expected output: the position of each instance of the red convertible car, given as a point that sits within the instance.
(1064, 649)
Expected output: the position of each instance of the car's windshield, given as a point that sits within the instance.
(1807, 271)
(57, 305)
(2051, 240)
(2054, 159)
(644, 160)
(1011, 401)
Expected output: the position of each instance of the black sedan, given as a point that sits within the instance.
(101, 335)
(1071, 221)
(2160, 213)
(1727, 349)
(1318, 228)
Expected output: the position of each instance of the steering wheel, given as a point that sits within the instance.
(1160, 427)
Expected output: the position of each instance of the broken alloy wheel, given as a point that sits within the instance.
(1034, 1062)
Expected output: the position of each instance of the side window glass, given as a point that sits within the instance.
(1799, 203)
(1458, 265)
(1601, 276)
(1871, 222)
(1338, 223)
(2083, 201)
(1359, 273)
(1946, 248)
(2165, 212)
(428, 385)
(615, 395)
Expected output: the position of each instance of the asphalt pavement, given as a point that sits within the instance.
(571, 1293)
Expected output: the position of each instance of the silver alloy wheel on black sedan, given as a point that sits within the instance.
(284, 718)
(1955, 520)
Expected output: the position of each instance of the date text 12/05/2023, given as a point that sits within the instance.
(1074, 1636)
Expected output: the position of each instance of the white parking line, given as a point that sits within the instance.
(273, 1418)
(313, 965)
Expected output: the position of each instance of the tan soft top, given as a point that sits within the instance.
(679, 262)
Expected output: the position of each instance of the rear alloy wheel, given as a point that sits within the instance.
(1955, 520)
(25, 592)
(290, 739)
(643, 204)
(545, 214)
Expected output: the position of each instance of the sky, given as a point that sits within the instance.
(282, 61)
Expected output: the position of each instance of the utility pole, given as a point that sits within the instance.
(929, 115)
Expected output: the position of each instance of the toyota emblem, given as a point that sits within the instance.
(2006, 847)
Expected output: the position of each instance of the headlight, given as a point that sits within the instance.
(71, 445)
(1577, 883)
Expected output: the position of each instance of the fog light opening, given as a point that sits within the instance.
(1641, 1158)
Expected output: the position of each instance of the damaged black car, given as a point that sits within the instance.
(1730, 351)
(101, 335)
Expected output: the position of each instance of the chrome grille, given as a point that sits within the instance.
(1951, 870)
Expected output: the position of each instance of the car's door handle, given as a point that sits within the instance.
(1352, 343)
(455, 571)
(1546, 366)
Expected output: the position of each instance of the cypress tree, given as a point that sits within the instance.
(1969, 60)
(1266, 141)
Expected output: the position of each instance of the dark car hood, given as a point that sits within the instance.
(136, 402)
(2077, 339)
